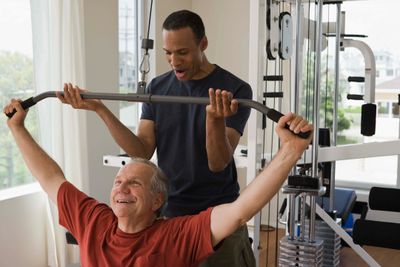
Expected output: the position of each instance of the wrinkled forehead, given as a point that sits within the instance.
(136, 169)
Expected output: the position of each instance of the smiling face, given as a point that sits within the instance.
(131, 196)
(185, 54)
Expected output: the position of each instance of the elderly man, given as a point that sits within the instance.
(129, 233)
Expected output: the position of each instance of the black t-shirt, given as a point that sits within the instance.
(181, 141)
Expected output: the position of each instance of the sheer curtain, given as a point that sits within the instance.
(57, 27)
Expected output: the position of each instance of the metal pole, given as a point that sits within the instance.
(292, 212)
(317, 87)
(335, 102)
(299, 47)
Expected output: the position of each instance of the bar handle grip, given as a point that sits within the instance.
(25, 105)
(276, 115)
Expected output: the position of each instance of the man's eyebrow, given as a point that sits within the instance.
(177, 50)
(129, 178)
(133, 178)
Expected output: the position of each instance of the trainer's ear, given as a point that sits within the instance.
(203, 43)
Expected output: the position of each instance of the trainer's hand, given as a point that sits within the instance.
(19, 117)
(221, 104)
(296, 124)
(72, 97)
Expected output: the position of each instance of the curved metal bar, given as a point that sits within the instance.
(148, 98)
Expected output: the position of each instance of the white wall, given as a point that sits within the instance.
(227, 29)
(101, 67)
(22, 231)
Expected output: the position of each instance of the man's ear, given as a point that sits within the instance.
(203, 43)
(158, 202)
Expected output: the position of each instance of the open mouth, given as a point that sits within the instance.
(179, 73)
(123, 201)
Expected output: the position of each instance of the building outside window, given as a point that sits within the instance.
(130, 17)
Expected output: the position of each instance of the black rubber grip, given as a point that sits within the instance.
(368, 119)
(276, 115)
(273, 94)
(355, 97)
(25, 105)
(283, 207)
(303, 181)
(273, 78)
(356, 79)
(332, 2)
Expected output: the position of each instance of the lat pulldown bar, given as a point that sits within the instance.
(148, 98)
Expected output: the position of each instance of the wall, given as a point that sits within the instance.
(227, 29)
(101, 67)
(22, 230)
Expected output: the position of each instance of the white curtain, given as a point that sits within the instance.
(57, 27)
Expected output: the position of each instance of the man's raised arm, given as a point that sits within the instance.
(141, 145)
(42, 167)
(226, 218)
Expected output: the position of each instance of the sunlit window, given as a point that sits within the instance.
(360, 20)
(16, 81)
(365, 21)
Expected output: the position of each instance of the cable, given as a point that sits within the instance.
(148, 24)
(144, 66)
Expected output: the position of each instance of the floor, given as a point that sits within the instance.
(348, 258)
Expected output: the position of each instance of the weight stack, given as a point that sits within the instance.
(300, 253)
(332, 243)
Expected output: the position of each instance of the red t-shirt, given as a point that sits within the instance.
(177, 242)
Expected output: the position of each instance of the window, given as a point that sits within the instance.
(395, 110)
(383, 109)
(361, 172)
(365, 172)
(16, 81)
(130, 16)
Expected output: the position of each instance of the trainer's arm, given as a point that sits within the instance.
(140, 145)
(226, 218)
(42, 167)
(221, 141)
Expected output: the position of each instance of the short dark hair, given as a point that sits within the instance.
(185, 18)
